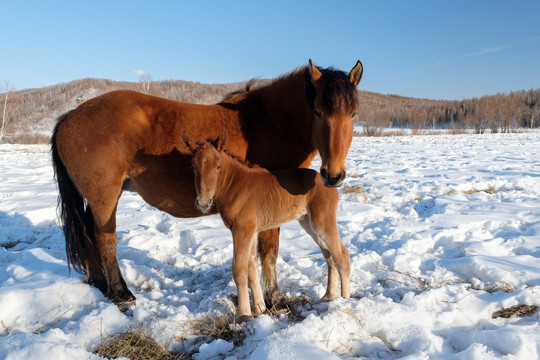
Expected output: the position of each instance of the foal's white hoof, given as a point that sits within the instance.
(327, 298)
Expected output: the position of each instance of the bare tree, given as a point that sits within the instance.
(145, 80)
(8, 110)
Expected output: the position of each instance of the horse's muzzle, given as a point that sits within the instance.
(204, 207)
(332, 182)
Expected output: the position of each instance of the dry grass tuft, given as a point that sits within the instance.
(518, 310)
(355, 189)
(490, 190)
(501, 286)
(10, 244)
(220, 326)
(291, 306)
(136, 344)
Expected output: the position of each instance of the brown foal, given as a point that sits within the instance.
(253, 199)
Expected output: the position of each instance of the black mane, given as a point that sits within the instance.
(339, 92)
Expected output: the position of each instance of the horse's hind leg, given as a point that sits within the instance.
(268, 242)
(103, 202)
(94, 270)
(332, 286)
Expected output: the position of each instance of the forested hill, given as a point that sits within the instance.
(34, 111)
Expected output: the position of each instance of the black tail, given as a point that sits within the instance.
(75, 215)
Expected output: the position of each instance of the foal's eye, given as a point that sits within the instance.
(218, 167)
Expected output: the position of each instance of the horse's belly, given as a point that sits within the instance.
(268, 221)
(168, 186)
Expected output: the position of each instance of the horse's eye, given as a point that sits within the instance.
(317, 113)
(353, 115)
(218, 167)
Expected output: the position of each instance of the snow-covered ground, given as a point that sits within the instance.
(446, 234)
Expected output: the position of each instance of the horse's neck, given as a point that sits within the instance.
(231, 174)
(285, 121)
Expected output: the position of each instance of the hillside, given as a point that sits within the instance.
(32, 113)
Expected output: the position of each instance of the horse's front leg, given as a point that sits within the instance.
(333, 275)
(268, 253)
(242, 238)
(254, 284)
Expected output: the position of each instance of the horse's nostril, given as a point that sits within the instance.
(332, 181)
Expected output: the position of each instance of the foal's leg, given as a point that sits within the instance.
(254, 284)
(242, 238)
(332, 286)
(268, 252)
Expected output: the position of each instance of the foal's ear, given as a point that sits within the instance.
(220, 142)
(314, 73)
(186, 141)
(356, 73)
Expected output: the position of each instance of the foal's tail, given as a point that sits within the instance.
(75, 215)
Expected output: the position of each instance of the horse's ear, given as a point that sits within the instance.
(186, 141)
(356, 73)
(314, 73)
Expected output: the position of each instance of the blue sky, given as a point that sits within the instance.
(429, 49)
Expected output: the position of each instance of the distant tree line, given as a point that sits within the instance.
(501, 112)
(29, 115)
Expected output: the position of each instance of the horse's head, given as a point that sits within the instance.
(206, 164)
(334, 101)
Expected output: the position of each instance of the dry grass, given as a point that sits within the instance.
(27, 138)
(355, 189)
(518, 310)
(490, 190)
(290, 306)
(501, 286)
(135, 344)
(220, 326)
(10, 244)
(380, 132)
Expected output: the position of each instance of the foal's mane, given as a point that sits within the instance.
(201, 144)
(240, 160)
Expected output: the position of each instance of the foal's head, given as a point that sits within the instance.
(206, 164)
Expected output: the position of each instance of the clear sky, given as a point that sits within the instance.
(430, 49)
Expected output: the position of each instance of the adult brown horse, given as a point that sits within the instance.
(125, 140)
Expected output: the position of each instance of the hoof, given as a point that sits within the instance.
(272, 298)
(126, 307)
(327, 298)
(243, 318)
(124, 300)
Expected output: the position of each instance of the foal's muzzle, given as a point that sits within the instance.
(332, 182)
(204, 207)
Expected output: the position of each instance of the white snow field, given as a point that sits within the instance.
(446, 234)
